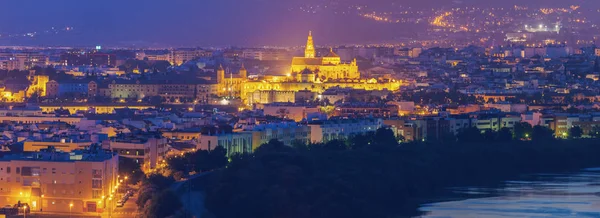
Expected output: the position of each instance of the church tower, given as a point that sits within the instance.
(310, 47)
(243, 72)
(220, 75)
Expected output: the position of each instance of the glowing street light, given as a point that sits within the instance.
(25, 211)
(70, 208)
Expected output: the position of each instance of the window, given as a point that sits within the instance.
(96, 183)
(7, 169)
(53, 170)
(18, 170)
(97, 174)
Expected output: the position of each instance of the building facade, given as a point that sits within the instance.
(51, 181)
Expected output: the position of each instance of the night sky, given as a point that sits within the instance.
(206, 22)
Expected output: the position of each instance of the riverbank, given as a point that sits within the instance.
(382, 182)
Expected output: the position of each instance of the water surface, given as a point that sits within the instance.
(562, 195)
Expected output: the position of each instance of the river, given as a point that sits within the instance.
(561, 195)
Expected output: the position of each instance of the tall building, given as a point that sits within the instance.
(52, 181)
(309, 52)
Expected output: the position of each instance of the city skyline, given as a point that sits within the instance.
(299, 108)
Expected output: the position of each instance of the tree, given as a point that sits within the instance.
(522, 130)
(200, 161)
(160, 66)
(470, 135)
(400, 138)
(145, 193)
(542, 134)
(130, 168)
(595, 133)
(178, 175)
(504, 135)
(384, 138)
(299, 145)
(575, 132)
(177, 163)
(360, 140)
(335, 145)
(161, 182)
(489, 135)
(162, 205)
(218, 157)
(273, 145)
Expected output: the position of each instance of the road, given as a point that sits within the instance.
(129, 210)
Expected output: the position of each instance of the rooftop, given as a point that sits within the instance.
(93, 154)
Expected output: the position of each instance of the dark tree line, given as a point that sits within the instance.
(374, 176)
(198, 161)
(156, 199)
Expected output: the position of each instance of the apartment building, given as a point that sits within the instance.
(237, 142)
(327, 130)
(288, 133)
(147, 149)
(51, 181)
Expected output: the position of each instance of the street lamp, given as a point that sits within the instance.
(24, 211)
(70, 208)
(42, 203)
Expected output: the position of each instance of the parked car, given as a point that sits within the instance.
(9, 210)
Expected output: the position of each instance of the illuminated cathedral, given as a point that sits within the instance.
(328, 67)
(308, 73)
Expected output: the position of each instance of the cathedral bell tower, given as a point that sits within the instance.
(309, 52)
(243, 72)
(220, 75)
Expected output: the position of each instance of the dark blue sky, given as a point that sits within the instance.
(201, 22)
